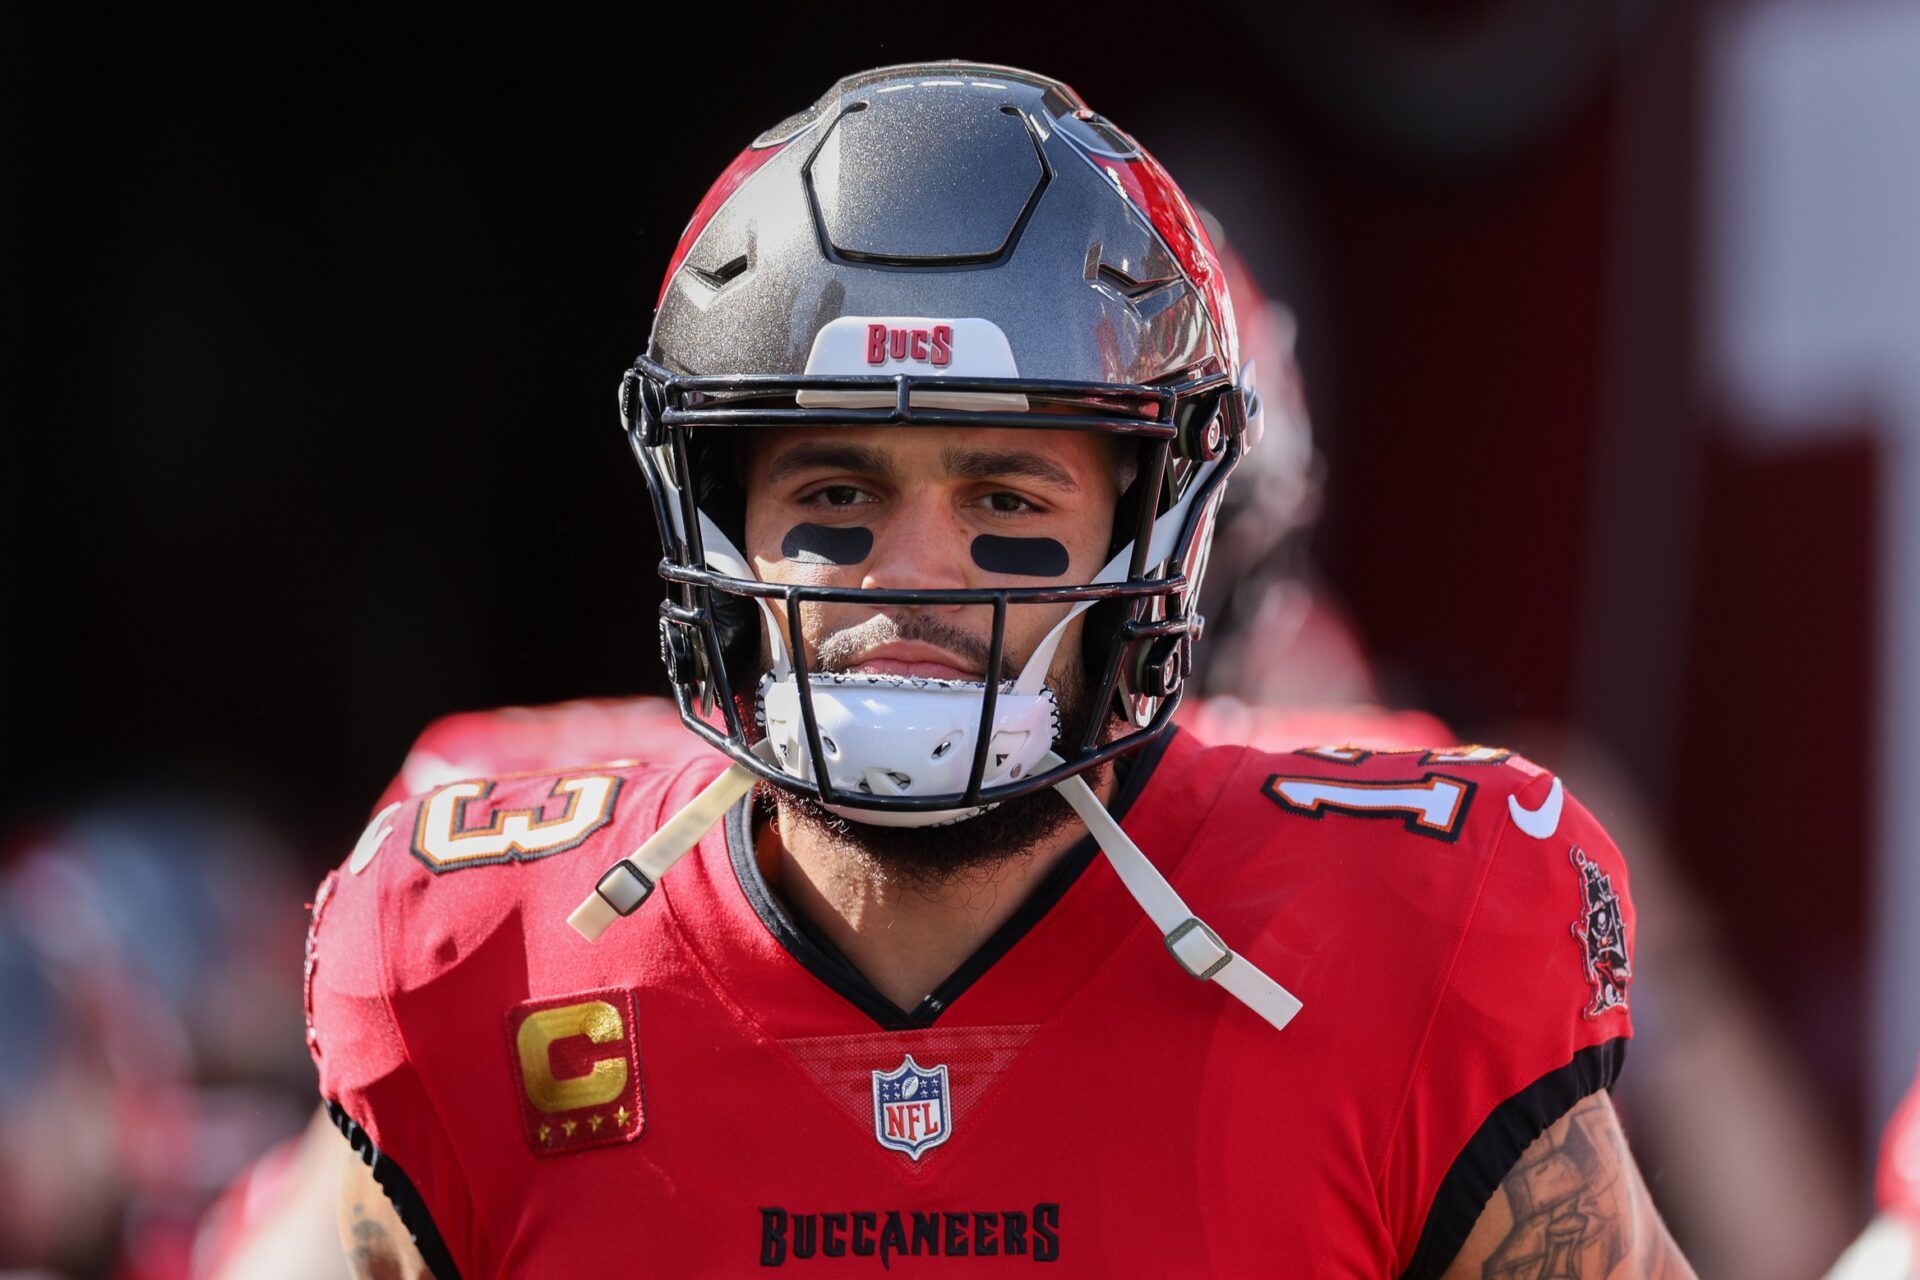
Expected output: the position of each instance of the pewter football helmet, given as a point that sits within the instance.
(946, 244)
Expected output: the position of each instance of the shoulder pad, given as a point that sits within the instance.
(471, 744)
(1229, 720)
(440, 870)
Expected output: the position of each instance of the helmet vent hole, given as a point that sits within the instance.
(1126, 286)
(833, 748)
(900, 780)
(725, 274)
(940, 752)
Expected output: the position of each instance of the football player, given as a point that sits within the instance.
(957, 950)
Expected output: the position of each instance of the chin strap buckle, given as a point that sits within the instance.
(1194, 946)
(1198, 949)
(624, 887)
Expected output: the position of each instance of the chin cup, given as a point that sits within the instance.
(892, 736)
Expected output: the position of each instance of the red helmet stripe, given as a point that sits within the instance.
(1165, 206)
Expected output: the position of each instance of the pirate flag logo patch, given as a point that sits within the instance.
(1603, 937)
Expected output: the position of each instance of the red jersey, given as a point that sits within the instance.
(713, 1088)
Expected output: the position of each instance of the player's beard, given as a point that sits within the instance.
(931, 860)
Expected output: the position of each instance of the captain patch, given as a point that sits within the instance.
(577, 1063)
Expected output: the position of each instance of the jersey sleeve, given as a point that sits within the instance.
(1533, 1016)
(369, 1085)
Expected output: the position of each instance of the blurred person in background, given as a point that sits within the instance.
(151, 1012)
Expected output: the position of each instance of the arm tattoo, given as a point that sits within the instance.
(370, 1250)
(1571, 1200)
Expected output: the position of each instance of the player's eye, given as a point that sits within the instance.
(1004, 502)
(836, 495)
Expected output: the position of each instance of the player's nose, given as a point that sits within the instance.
(923, 547)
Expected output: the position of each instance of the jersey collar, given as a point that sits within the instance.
(815, 953)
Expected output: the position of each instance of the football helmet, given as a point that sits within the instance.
(945, 244)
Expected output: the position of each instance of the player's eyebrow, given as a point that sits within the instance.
(993, 464)
(830, 455)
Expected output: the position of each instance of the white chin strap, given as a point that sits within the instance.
(1192, 944)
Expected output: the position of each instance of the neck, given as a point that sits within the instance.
(905, 937)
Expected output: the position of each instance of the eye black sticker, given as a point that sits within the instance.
(827, 544)
(1026, 557)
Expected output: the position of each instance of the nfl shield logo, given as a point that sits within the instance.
(911, 1110)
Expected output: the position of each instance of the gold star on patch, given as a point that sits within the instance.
(568, 1126)
(621, 1116)
(594, 1122)
(546, 1132)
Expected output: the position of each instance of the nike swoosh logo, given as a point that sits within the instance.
(371, 839)
(1539, 823)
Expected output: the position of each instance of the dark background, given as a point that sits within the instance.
(314, 332)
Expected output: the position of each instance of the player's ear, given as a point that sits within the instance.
(1123, 458)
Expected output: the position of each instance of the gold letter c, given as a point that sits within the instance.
(599, 1022)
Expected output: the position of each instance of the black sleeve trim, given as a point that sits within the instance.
(400, 1190)
(1489, 1156)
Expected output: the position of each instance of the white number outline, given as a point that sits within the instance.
(513, 835)
(1349, 799)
